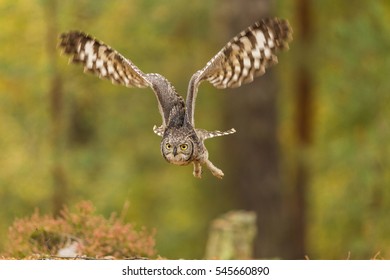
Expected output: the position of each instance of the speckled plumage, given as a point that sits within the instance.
(245, 57)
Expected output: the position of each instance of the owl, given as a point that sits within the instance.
(242, 59)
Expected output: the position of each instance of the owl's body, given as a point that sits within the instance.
(245, 57)
(181, 143)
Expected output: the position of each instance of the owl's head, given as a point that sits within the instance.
(178, 151)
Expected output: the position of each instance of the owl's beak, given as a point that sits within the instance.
(175, 151)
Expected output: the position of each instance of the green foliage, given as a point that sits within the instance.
(107, 149)
(351, 175)
(93, 235)
(110, 155)
(348, 196)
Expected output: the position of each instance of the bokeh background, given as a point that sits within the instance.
(311, 156)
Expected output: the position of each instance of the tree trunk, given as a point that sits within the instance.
(254, 175)
(303, 133)
(56, 109)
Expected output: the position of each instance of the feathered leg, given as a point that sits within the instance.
(214, 170)
(197, 169)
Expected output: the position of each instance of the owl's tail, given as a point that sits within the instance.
(205, 134)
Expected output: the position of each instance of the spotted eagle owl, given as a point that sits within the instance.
(245, 57)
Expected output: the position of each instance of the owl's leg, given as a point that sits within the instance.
(197, 169)
(214, 170)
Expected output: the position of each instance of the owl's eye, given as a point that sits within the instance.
(183, 147)
(168, 146)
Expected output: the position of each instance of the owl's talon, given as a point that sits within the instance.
(198, 175)
(218, 173)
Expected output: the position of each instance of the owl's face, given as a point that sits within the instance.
(177, 151)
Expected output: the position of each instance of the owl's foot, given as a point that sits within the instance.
(214, 170)
(197, 170)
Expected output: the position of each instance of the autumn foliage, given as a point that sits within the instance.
(82, 231)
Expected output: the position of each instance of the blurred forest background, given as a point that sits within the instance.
(312, 152)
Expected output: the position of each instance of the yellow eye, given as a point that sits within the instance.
(168, 146)
(183, 147)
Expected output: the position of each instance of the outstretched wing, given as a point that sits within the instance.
(245, 57)
(105, 62)
(101, 60)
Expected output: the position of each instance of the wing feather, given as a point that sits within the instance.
(101, 60)
(105, 62)
(244, 58)
(249, 54)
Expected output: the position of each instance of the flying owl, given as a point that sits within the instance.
(245, 57)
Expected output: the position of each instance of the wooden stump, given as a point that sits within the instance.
(231, 236)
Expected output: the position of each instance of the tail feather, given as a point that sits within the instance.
(205, 134)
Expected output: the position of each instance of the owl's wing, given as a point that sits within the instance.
(105, 62)
(245, 57)
(101, 60)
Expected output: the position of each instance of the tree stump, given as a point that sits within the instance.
(232, 236)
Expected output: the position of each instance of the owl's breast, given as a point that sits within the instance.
(177, 158)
